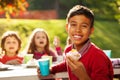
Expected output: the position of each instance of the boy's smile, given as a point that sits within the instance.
(79, 30)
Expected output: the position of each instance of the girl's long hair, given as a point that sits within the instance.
(31, 47)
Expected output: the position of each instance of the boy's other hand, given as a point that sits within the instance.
(50, 76)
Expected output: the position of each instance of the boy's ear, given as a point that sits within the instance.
(66, 27)
(92, 30)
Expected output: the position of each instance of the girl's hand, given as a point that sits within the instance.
(77, 68)
(14, 62)
(56, 41)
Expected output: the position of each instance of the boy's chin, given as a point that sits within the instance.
(78, 43)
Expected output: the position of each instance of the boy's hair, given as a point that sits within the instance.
(81, 10)
(31, 47)
(10, 34)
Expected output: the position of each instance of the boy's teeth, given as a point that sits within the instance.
(77, 36)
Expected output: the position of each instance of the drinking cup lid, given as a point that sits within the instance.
(46, 59)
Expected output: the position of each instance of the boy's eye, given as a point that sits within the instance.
(73, 24)
(84, 25)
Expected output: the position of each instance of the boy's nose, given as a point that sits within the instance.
(78, 29)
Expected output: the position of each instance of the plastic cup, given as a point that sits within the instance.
(28, 57)
(50, 59)
(108, 53)
(44, 66)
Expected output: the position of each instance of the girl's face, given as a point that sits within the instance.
(79, 30)
(40, 40)
(11, 45)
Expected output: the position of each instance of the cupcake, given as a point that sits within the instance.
(74, 54)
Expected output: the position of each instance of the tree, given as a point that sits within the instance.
(103, 9)
(12, 7)
(41, 4)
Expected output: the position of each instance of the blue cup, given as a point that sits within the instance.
(108, 53)
(44, 66)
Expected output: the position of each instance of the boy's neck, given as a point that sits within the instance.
(79, 47)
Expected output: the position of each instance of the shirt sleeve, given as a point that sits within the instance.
(61, 67)
(59, 50)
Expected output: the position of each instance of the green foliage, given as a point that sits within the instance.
(41, 4)
(103, 9)
(105, 36)
(25, 28)
(12, 7)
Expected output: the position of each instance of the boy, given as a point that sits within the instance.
(93, 64)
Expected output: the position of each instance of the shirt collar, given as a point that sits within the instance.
(85, 48)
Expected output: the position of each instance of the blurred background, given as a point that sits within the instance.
(26, 15)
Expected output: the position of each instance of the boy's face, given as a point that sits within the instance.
(79, 29)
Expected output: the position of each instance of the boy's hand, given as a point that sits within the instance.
(38, 72)
(77, 68)
(50, 76)
(13, 62)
